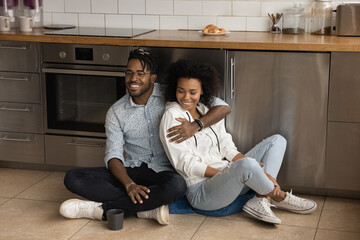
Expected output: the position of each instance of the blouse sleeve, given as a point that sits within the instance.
(181, 155)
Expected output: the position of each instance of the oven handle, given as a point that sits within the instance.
(85, 144)
(83, 72)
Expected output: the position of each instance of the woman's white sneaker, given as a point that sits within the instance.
(295, 204)
(76, 208)
(160, 214)
(260, 209)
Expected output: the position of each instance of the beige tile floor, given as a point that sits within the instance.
(29, 202)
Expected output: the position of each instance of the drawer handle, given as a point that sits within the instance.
(6, 138)
(17, 48)
(84, 144)
(26, 109)
(13, 79)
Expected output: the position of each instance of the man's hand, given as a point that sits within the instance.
(183, 131)
(135, 192)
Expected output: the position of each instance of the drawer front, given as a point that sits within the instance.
(19, 117)
(19, 87)
(74, 151)
(20, 147)
(19, 56)
(343, 156)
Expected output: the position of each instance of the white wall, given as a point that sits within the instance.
(235, 15)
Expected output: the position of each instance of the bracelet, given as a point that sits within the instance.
(127, 187)
(201, 125)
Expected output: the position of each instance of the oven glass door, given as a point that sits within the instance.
(78, 103)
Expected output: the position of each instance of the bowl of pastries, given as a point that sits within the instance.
(213, 30)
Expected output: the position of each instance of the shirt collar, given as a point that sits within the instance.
(157, 92)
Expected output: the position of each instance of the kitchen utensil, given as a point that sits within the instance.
(26, 24)
(4, 24)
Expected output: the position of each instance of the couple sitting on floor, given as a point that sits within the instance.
(178, 126)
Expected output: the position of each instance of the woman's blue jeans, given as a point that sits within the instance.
(240, 176)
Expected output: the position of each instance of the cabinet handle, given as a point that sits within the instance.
(232, 78)
(17, 48)
(13, 79)
(6, 138)
(84, 144)
(26, 109)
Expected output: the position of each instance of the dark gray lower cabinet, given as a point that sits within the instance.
(74, 151)
(22, 147)
(343, 156)
(284, 93)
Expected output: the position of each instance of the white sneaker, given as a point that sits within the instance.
(160, 214)
(295, 204)
(260, 209)
(76, 208)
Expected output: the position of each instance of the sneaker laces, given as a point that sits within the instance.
(266, 206)
(83, 208)
(296, 201)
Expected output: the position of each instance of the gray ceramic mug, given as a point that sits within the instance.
(115, 218)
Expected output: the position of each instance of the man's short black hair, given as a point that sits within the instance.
(146, 59)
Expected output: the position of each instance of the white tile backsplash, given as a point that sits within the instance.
(77, 6)
(222, 8)
(235, 15)
(199, 22)
(104, 6)
(173, 22)
(65, 18)
(187, 8)
(132, 6)
(232, 23)
(146, 21)
(165, 7)
(257, 24)
(118, 21)
(54, 6)
(246, 8)
(91, 20)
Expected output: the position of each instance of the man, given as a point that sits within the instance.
(138, 177)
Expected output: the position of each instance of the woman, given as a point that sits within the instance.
(216, 173)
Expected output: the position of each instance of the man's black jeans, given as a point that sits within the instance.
(99, 185)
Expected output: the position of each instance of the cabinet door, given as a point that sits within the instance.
(344, 102)
(74, 151)
(285, 93)
(19, 56)
(343, 156)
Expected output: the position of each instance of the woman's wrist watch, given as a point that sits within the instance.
(201, 125)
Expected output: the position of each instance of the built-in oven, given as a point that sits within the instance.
(80, 83)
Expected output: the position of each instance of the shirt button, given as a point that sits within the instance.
(151, 135)
(149, 121)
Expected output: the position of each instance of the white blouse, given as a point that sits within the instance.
(213, 146)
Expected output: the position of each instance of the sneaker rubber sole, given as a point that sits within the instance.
(260, 216)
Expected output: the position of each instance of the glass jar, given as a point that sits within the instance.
(294, 20)
(321, 17)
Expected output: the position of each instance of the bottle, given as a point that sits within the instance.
(321, 17)
(294, 20)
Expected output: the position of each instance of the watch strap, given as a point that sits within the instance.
(201, 125)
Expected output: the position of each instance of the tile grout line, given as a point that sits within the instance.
(198, 227)
(79, 229)
(321, 212)
(32, 185)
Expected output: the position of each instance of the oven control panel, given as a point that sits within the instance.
(84, 54)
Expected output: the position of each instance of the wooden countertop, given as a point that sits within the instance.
(194, 39)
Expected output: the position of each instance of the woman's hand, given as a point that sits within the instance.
(183, 131)
(135, 192)
(277, 189)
